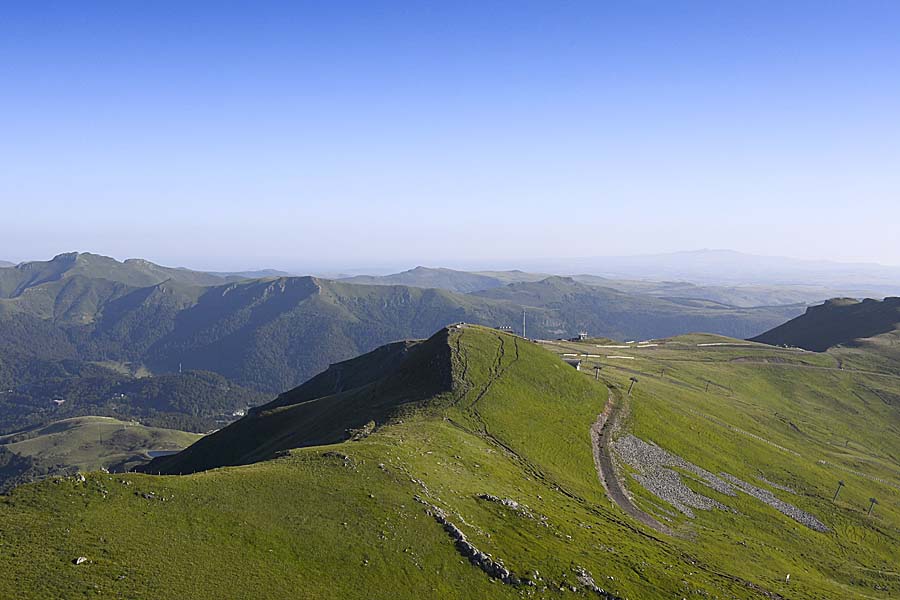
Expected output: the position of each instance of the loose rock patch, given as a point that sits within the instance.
(802, 517)
(655, 472)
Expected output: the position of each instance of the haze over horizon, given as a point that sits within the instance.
(253, 136)
(704, 265)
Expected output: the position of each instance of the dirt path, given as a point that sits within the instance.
(601, 436)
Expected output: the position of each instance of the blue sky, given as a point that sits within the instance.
(338, 134)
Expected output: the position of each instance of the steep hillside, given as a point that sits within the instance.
(858, 334)
(274, 334)
(836, 322)
(350, 398)
(271, 334)
(486, 484)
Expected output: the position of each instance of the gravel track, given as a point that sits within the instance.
(601, 434)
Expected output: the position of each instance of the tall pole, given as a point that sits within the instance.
(523, 324)
(840, 485)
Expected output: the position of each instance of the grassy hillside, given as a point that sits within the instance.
(840, 321)
(501, 452)
(86, 444)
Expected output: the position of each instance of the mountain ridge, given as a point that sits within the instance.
(739, 296)
(328, 408)
(860, 334)
(274, 333)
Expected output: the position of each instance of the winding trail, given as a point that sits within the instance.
(601, 436)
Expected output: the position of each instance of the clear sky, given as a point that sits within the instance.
(333, 134)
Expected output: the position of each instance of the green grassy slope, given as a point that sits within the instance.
(785, 416)
(867, 331)
(328, 408)
(275, 334)
(354, 518)
(89, 443)
(83, 444)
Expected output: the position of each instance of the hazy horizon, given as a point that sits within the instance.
(548, 264)
(357, 134)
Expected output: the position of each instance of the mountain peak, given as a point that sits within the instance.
(373, 388)
(838, 321)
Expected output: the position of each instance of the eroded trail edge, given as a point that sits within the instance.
(601, 436)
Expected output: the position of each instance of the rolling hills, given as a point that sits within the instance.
(462, 282)
(272, 334)
(860, 334)
(83, 444)
(569, 306)
(39, 392)
(736, 294)
(728, 267)
(475, 477)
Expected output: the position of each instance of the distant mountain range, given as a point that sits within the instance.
(743, 295)
(257, 274)
(840, 321)
(272, 334)
(863, 334)
(727, 267)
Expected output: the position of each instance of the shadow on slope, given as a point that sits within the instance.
(840, 321)
(349, 399)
